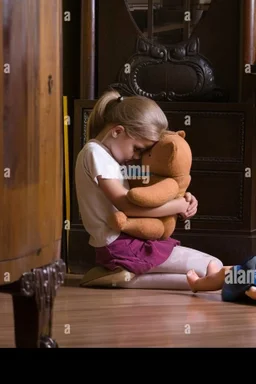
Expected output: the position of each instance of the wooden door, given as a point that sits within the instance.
(30, 135)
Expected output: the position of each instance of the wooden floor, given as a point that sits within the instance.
(86, 317)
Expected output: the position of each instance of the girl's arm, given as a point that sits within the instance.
(116, 193)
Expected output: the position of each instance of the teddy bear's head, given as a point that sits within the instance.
(171, 156)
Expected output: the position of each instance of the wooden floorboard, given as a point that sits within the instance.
(86, 317)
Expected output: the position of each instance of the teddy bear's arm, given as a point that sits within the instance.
(154, 195)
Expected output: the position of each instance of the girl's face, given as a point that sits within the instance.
(124, 148)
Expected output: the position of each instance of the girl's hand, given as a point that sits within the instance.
(192, 208)
(183, 205)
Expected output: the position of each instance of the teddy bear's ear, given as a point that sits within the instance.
(182, 134)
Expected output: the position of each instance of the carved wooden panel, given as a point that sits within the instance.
(224, 203)
(216, 137)
(220, 195)
(153, 70)
(202, 67)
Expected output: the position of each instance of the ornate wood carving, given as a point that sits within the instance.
(33, 297)
(204, 68)
(179, 57)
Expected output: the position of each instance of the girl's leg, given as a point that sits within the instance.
(183, 259)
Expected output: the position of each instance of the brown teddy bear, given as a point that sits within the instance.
(169, 162)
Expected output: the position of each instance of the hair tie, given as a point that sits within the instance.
(120, 98)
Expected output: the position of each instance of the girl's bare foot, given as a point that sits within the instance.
(192, 277)
(212, 268)
(251, 293)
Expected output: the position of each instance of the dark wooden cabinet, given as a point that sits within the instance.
(206, 86)
(221, 136)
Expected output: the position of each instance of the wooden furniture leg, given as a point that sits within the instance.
(33, 299)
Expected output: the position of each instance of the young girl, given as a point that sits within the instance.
(124, 128)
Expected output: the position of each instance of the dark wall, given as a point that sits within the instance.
(71, 81)
(71, 48)
(71, 59)
(219, 34)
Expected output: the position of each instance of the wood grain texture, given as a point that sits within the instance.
(142, 318)
(1, 132)
(31, 137)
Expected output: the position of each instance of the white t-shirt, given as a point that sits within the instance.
(94, 160)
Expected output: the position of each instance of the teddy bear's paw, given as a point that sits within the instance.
(117, 221)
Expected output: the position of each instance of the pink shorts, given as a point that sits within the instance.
(135, 255)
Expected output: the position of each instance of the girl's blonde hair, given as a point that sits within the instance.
(141, 117)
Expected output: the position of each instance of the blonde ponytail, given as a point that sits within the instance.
(141, 117)
(96, 122)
